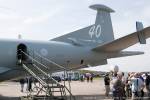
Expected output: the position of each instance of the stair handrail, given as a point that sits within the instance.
(31, 72)
(53, 79)
(38, 63)
(46, 73)
(54, 63)
(50, 61)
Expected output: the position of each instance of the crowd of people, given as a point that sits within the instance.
(135, 86)
(87, 76)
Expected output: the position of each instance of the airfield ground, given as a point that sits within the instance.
(82, 90)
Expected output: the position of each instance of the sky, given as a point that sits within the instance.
(46, 19)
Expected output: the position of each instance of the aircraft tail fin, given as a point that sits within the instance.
(103, 26)
(99, 33)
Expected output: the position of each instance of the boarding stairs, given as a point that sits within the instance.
(47, 84)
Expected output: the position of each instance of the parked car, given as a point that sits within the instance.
(57, 78)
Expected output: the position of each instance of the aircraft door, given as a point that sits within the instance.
(20, 55)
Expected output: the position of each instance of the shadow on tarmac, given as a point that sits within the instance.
(92, 97)
(78, 97)
(9, 98)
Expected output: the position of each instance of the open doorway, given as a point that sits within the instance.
(20, 49)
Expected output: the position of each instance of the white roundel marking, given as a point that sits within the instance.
(44, 52)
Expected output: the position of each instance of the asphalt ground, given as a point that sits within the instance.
(82, 90)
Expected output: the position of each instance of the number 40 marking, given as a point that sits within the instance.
(95, 30)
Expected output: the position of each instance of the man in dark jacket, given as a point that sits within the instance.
(107, 84)
(147, 84)
(119, 88)
(22, 82)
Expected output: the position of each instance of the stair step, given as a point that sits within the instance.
(56, 87)
(56, 91)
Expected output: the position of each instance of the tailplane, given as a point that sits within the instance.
(99, 33)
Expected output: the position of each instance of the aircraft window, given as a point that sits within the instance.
(20, 55)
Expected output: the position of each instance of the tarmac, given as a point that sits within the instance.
(81, 90)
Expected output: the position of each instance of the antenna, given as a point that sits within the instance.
(19, 36)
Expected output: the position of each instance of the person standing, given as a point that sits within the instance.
(107, 84)
(22, 82)
(142, 89)
(124, 82)
(113, 80)
(91, 77)
(118, 88)
(29, 84)
(82, 78)
(88, 76)
(147, 84)
(137, 86)
(128, 87)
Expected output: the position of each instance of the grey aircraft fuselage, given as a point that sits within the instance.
(61, 53)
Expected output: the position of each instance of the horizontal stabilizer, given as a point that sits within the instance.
(124, 53)
(124, 42)
(131, 53)
(78, 37)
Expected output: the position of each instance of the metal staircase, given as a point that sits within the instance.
(48, 85)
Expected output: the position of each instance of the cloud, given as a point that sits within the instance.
(41, 18)
(145, 12)
(35, 20)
